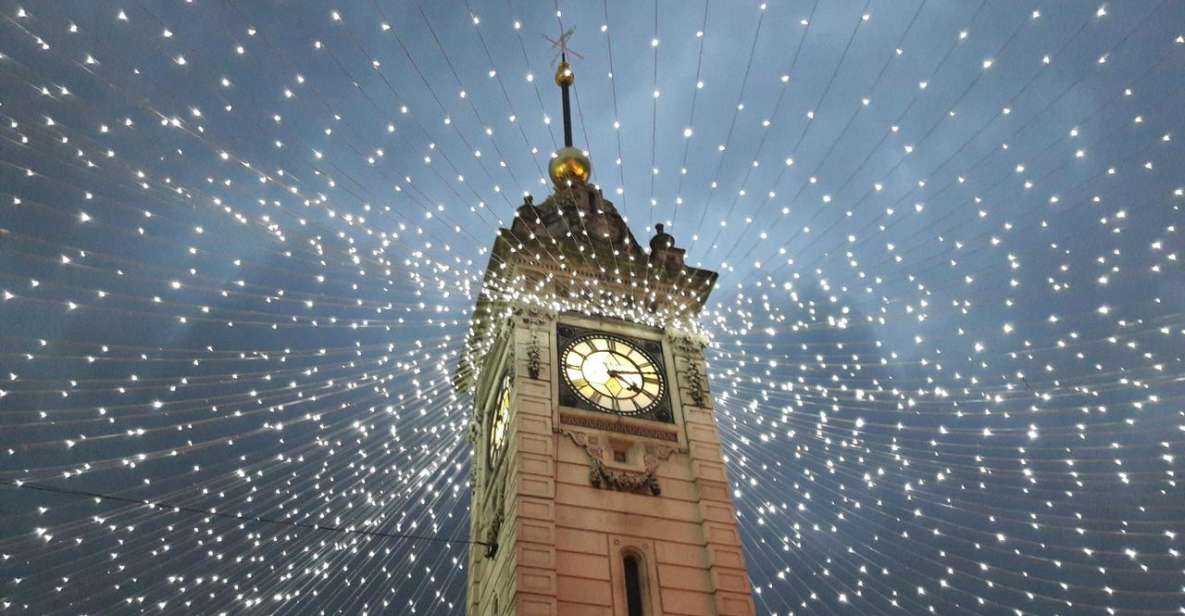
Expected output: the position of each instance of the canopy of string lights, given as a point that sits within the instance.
(241, 244)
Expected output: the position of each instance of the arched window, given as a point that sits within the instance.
(634, 587)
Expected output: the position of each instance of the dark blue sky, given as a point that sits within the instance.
(239, 243)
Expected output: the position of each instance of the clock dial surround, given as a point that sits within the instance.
(613, 374)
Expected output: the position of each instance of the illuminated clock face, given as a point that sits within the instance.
(497, 434)
(612, 374)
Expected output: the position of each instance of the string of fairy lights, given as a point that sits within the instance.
(241, 244)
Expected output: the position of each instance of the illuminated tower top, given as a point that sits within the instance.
(575, 252)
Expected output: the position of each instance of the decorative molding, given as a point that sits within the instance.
(645, 482)
(610, 425)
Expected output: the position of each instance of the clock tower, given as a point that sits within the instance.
(598, 482)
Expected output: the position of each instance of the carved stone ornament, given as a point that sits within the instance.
(691, 345)
(686, 342)
(533, 315)
(695, 380)
(474, 435)
(474, 431)
(645, 482)
(491, 536)
(493, 525)
(534, 358)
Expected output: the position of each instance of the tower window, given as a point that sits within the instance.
(632, 567)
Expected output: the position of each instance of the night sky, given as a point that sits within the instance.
(240, 243)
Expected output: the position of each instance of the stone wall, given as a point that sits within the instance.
(563, 540)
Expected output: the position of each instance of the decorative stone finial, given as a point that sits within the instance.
(663, 252)
(528, 211)
(661, 240)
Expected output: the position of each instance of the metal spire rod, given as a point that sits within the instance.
(564, 87)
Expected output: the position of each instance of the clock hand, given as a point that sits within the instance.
(617, 375)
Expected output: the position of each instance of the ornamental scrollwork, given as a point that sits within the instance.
(645, 482)
(601, 477)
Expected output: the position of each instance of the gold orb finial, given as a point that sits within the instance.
(564, 75)
(569, 166)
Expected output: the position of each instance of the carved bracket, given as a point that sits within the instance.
(601, 477)
(645, 482)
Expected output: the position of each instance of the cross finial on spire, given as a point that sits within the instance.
(562, 44)
(564, 77)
